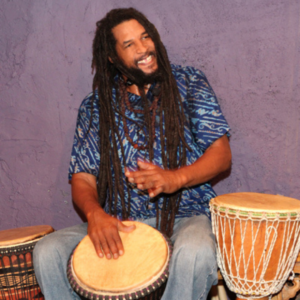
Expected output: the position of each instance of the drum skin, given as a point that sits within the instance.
(17, 278)
(257, 237)
(142, 269)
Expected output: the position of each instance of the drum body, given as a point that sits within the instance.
(141, 273)
(257, 241)
(17, 278)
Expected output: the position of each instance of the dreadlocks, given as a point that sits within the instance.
(169, 109)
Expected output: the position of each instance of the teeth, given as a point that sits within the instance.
(146, 60)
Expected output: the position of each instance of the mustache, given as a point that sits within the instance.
(136, 75)
(144, 56)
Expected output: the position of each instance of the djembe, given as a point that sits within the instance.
(17, 278)
(257, 239)
(141, 273)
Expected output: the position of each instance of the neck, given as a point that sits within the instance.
(135, 90)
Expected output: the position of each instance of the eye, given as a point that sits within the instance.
(145, 37)
(128, 45)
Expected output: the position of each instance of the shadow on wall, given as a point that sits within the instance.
(62, 203)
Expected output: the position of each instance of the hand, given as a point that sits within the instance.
(103, 230)
(155, 179)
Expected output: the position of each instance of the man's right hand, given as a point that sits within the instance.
(103, 230)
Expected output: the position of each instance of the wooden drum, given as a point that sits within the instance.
(141, 273)
(17, 279)
(257, 241)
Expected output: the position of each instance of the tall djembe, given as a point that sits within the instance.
(258, 241)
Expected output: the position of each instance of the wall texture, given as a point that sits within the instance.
(249, 50)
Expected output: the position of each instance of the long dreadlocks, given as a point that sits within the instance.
(169, 109)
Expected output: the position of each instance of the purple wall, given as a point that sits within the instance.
(249, 50)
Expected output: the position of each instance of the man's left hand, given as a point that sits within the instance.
(216, 159)
(155, 179)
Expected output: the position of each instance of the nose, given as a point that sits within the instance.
(141, 47)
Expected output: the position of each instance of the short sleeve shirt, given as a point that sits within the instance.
(205, 123)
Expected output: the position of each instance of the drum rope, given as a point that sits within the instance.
(236, 265)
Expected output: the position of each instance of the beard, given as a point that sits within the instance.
(136, 76)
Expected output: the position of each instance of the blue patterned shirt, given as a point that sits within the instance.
(205, 123)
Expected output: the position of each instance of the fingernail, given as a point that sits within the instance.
(116, 255)
(131, 180)
(120, 252)
(151, 195)
(108, 256)
(100, 254)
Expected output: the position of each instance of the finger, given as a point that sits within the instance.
(146, 176)
(141, 179)
(155, 191)
(146, 185)
(129, 171)
(131, 179)
(97, 245)
(149, 182)
(105, 247)
(124, 228)
(113, 246)
(140, 173)
(119, 244)
(146, 166)
(136, 178)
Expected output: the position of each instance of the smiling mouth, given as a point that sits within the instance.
(146, 60)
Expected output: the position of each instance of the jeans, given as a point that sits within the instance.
(193, 266)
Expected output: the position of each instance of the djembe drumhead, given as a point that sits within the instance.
(142, 270)
(257, 240)
(17, 278)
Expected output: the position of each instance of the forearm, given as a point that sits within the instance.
(84, 193)
(215, 160)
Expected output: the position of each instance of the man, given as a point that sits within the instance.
(148, 140)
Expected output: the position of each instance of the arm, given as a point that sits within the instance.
(102, 228)
(215, 160)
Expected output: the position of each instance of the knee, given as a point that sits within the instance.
(201, 256)
(55, 248)
(44, 250)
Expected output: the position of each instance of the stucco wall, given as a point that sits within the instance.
(249, 50)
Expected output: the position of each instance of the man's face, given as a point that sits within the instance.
(134, 47)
